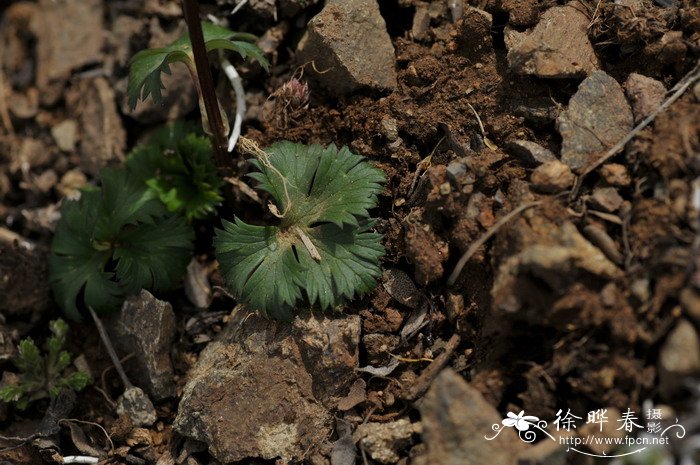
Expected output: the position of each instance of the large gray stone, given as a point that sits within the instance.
(558, 47)
(598, 117)
(146, 326)
(263, 389)
(456, 418)
(350, 46)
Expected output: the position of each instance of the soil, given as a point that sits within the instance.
(536, 333)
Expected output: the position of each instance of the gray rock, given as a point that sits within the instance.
(136, 404)
(456, 170)
(421, 23)
(558, 47)
(552, 177)
(263, 388)
(597, 117)
(646, 94)
(455, 419)
(349, 39)
(530, 152)
(383, 441)
(679, 357)
(70, 34)
(146, 326)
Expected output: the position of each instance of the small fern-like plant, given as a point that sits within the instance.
(43, 376)
(116, 240)
(177, 165)
(323, 248)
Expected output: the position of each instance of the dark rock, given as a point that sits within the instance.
(474, 33)
(383, 441)
(259, 389)
(146, 326)
(552, 177)
(455, 419)
(530, 152)
(558, 47)
(646, 95)
(349, 39)
(597, 117)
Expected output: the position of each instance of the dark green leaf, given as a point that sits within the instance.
(177, 165)
(147, 65)
(330, 192)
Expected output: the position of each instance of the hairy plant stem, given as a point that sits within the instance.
(205, 85)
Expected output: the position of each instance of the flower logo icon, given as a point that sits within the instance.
(521, 421)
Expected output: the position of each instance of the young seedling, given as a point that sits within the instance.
(113, 241)
(176, 164)
(43, 376)
(323, 245)
(147, 66)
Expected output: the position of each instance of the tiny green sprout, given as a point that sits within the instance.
(323, 249)
(116, 240)
(41, 377)
(176, 165)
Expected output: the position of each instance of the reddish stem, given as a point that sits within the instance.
(206, 84)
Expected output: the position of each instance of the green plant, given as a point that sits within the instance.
(147, 65)
(116, 240)
(176, 164)
(323, 244)
(45, 376)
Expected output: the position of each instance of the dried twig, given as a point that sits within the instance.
(110, 349)
(485, 237)
(237, 85)
(422, 383)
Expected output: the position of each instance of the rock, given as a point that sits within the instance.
(552, 177)
(557, 255)
(679, 358)
(606, 199)
(136, 404)
(543, 453)
(597, 117)
(421, 23)
(64, 134)
(558, 47)
(263, 388)
(455, 419)
(615, 175)
(390, 129)
(646, 95)
(332, 39)
(103, 136)
(531, 153)
(690, 300)
(383, 441)
(457, 170)
(70, 34)
(146, 327)
(474, 33)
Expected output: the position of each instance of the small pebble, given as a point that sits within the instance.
(615, 175)
(552, 177)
